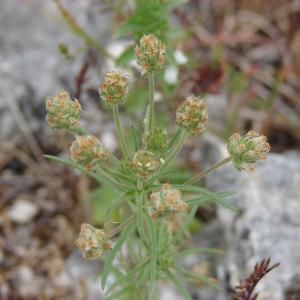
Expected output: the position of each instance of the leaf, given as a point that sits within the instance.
(136, 145)
(125, 56)
(206, 198)
(197, 251)
(214, 196)
(153, 250)
(127, 276)
(112, 254)
(202, 278)
(70, 163)
(139, 217)
(184, 292)
(174, 3)
(114, 206)
(101, 199)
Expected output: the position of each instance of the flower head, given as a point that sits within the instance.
(114, 88)
(192, 115)
(167, 202)
(150, 54)
(144, 163)
(247, 150)
(92, 242)
(63, 112)
(156, 140)
(87, 150)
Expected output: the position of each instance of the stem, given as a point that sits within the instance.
(108, 178)
(119, 131)
(150, 117)
(175, 150)
(200, 175)
(121, 226)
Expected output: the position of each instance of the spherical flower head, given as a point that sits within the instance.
(247, 150)
(114, 89)
(92, 242)
(156, 140)
(144, 163)
(167, 202)
(63, 112)
(192, 115)
(150, 54)
(87, 150)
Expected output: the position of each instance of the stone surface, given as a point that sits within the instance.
(267, 225)
(31, 66)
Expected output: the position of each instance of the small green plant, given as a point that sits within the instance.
(145, 247)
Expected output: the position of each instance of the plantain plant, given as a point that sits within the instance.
(144, 248)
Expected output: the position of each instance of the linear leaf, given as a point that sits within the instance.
(139, 217)
(206, 198)
(153, 250)
(112, 254)
(197, 251)
(127, 276)
(184, 292)
(214, 196)
(202, 278)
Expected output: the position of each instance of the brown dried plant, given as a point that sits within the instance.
(244, 291)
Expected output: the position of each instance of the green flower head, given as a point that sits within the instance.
(92, 242)
(247, 150)
(87, 150)
(63, 112)
(192, 115)
(114, 89)
(166, 202)
(150, 54)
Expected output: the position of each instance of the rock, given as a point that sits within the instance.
(267, 225)
(31, 66)
(22, 211)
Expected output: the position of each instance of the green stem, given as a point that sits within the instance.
(175, 150)
(150, 117)
(119, 131)
(119, 228)
(108, 178)
(200, 175)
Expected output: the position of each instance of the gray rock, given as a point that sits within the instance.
(267, 225)
(31, 68)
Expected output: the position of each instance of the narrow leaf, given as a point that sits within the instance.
(112, 254)
(153, 250)
(214, 196)
(202, 278)
(184, 292)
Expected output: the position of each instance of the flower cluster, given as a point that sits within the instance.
(144, 163)
(150, 54)
(92, 242)
(192, 115)
(87, 150)
(247, 150)
(156, 140)
(114, 89)
(166, 202)
(63, 112)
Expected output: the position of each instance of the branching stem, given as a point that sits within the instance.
(150, 117)
(120, 131)
(214, 167)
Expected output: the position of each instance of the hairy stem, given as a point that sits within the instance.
(119, 228)
(150, 117)
(214, 167)
(175, 150)
(120, 131)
